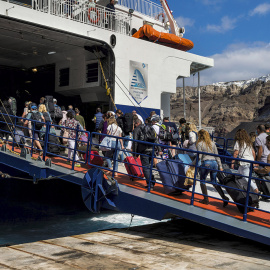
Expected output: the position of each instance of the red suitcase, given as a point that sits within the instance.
(95, 159)
(133, 168)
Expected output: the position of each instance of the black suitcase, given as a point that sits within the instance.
(172, 173)
(53, 145)
(238, 196)
(263, 186)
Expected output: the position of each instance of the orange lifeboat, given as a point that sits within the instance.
(166, 39)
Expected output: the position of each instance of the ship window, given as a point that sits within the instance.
(64, 77)
(92, 72)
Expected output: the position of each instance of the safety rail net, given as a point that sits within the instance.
(96, 150)
(146, 7)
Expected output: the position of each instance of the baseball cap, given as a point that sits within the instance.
(155, 118)
(34, 107)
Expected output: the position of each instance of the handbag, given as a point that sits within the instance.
(106, 143)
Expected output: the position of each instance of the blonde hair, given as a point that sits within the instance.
(112, 120)
(42, 108)
(193, 127)
(203, 136)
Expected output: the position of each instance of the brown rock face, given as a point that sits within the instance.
(224, 107)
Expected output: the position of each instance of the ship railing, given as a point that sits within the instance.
(12, 124)
(145, 7)
(84, 12)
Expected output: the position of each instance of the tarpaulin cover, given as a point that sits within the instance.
(165, 39)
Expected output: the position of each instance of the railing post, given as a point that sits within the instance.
(90, 147)
(46, 139)
(247, 193)
(115, 156)
(75, 147)
(194, 180)
(88, 152)
(14, 133)
(151, 169)
(33, 135)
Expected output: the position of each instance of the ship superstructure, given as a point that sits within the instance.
(93, 54)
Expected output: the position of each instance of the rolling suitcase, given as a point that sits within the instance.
(263, 186)
(172, 174)
(95, 159)
(133, 167)
(233, 182)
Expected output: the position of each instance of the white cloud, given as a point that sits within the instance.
(261, 9)
(226, 25)
(238, 62)
(210, 2)
(181, 21)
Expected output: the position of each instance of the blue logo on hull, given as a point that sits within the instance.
(138, 80)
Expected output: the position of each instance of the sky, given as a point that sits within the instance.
(235, 33)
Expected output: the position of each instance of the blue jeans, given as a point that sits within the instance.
(208, 166)
(108, 154)
(125, 142)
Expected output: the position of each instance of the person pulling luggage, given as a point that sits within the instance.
(209, 164)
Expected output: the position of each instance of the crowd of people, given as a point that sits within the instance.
(121, 128)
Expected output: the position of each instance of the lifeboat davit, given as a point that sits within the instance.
(166, 39)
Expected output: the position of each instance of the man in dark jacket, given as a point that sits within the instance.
(111, 15)
(143, 150)
(110, 6)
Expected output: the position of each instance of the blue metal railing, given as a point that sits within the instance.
(14, 124)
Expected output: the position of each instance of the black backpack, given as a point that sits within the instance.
(58, 113)
(128, 123)
(46, 117)
(165, 133)
(148, 134)
(49, 104)
(37, 117)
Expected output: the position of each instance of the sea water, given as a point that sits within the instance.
(49, 210)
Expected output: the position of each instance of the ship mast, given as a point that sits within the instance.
(175, 29)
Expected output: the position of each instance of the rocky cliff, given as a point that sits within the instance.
(225, 105)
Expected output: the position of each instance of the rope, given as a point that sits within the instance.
(132, 216)
(6, 175)
(132, 102)
(106, 84)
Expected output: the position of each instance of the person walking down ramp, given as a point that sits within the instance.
(209, 164)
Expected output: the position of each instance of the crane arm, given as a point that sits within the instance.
(173, 24)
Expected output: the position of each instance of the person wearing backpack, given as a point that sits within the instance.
(37, 124)
(175, 136)
(147, 134)
(42, 109)
(58, 115)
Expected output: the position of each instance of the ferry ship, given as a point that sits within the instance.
(126, 58)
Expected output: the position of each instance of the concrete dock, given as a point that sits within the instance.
(178, 244)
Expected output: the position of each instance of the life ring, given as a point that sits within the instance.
(162, 15)
(97, 14)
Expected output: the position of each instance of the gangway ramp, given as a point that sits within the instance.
(119, 193)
